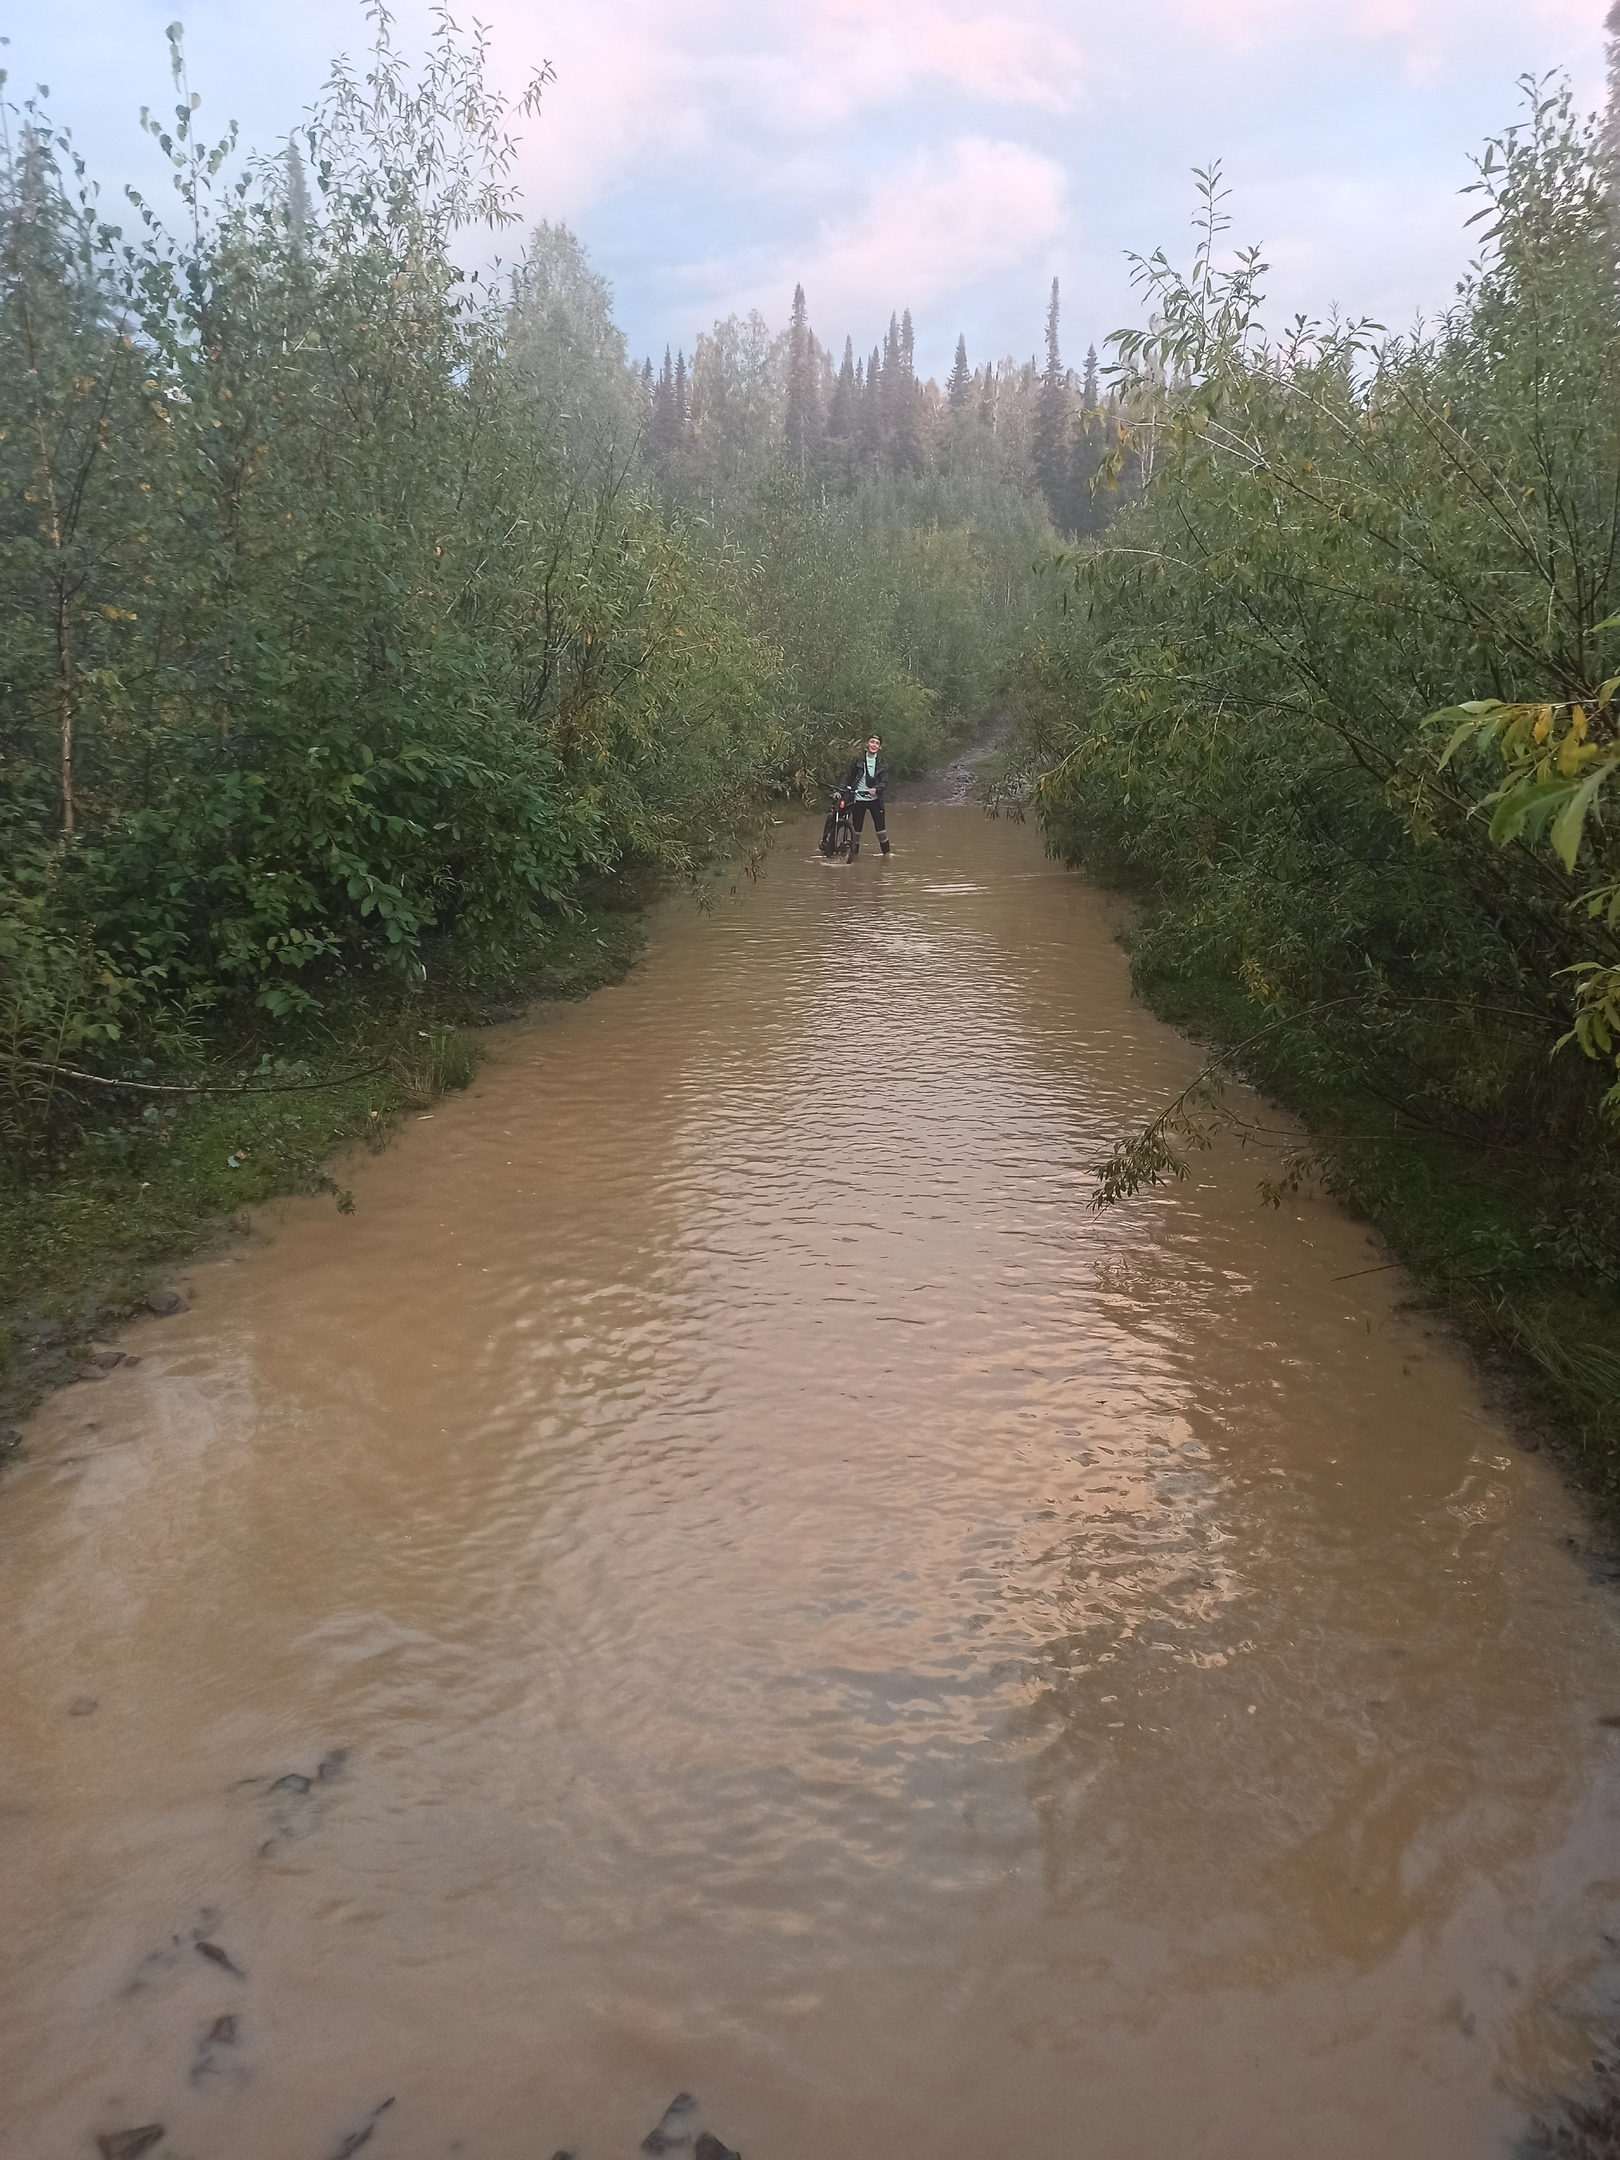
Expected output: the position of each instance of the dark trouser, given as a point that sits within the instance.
(858, 812)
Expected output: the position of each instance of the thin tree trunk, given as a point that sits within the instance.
(64, 646)
(64, 639)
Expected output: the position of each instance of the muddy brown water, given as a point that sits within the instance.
(815, 1617)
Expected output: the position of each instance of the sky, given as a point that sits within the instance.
(952, 156)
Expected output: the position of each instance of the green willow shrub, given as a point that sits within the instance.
(324, 656)
(1337, 538)
(899, 606)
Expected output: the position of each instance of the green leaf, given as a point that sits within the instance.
(1567, 827)
(1479, 717)
(1526, 807)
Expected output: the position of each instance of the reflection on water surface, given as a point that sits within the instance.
(814, 1616)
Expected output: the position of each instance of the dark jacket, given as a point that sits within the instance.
(856, 776)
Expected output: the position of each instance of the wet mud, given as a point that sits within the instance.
(723, 1579)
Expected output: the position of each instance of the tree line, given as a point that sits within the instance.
(847, 423)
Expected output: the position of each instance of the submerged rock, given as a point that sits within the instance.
(166, 1302)
(356, 2138)
(221, 2034)
(294, 1781)
(82, 1706)
(672, 2129)
(212, 1951)
(130, 2144)
(709, 2147)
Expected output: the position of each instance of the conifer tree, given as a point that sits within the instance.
(803, 413)
(960, 384)
(902, 434)
(843, 419)
(662, 424)
(841, 407)
(1088, 392)
(987, 399)
(872, 413)
(889, 401)
(1051, 444)
(680, 396)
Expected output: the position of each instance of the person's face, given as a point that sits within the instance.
(873, 744)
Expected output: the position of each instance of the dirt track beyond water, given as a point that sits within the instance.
(723, 1576)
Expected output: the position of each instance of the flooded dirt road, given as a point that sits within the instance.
(723, 1575)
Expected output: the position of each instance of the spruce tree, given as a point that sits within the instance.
(1051, 445)
(843, 419)
(902, 443)
(841, 405)
(987, 399)
(297, 190)
(680, 398)
(872, 415)
(663, 412)
(1088, 392)
(960, 385)
(803, 414)
(891, 356)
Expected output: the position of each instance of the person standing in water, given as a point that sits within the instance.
(868, 777)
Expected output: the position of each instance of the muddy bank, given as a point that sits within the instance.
(955, 783)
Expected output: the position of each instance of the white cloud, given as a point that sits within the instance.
(711, 151)
(1424, 35)
(639, 82)
(926, 230)
(644, 87)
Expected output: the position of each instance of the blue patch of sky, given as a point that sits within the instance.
(1349, 166)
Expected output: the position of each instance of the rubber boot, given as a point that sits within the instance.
(854, 845)
(883, 842)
